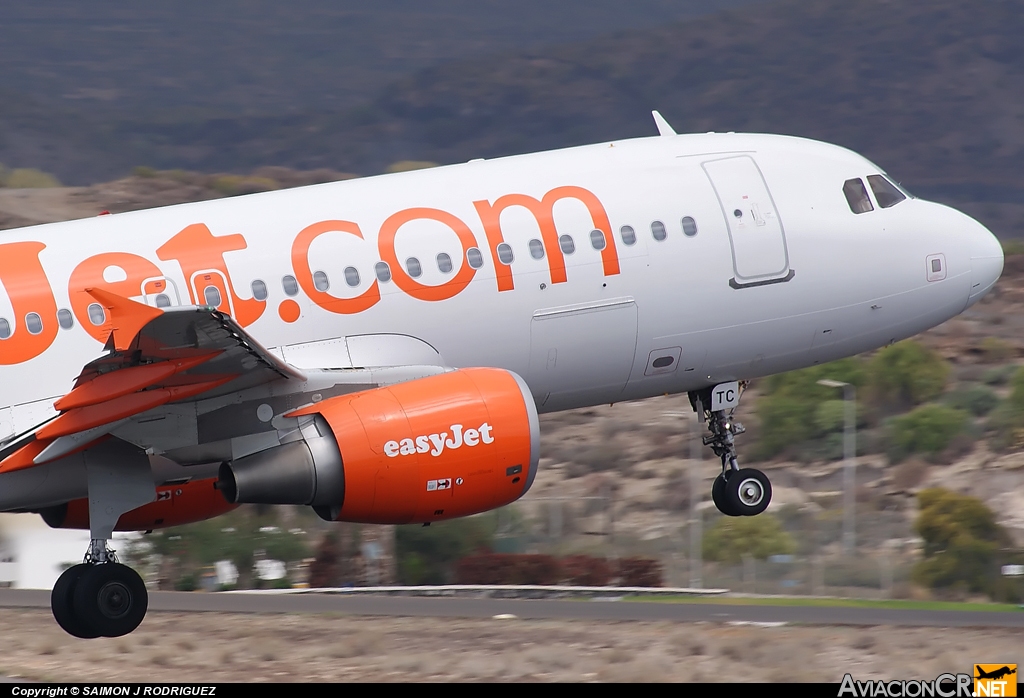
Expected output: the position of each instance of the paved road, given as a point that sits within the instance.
(543, 609)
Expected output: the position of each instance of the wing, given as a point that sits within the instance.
(154, 357)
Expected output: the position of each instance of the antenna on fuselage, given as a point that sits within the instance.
(663, 128)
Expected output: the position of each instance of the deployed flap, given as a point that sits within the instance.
(155, 356)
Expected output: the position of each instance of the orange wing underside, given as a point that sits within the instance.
(104, 397)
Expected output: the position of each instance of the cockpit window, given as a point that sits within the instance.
(857, 196)
(886, 193)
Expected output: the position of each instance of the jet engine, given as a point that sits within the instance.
(433, 448)
(174, 505)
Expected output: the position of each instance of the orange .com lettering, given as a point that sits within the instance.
(200, 256)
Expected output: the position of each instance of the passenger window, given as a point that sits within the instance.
(505, 255)
(33, 323)
(536, 249)
(413, 266)
(566, 243)
(597, 240)
(163, 301)
(97, 315)
(857, 196)
(290, 285)
(658, 231)
(212, 296)
(383, 272)
(352, 276)
(320, 281)
(628, 235)
(689, 227)
(444, 263)
(65, 319)
(475, 257)
(259, 291)
(886, 194)
(5, 328)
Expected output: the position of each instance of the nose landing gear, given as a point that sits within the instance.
(736, 491)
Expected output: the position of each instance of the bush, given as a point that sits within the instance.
(497, 568)
(410, 165)
(978, 400)
(584, 570)
(791, 409)
(907, 373)
(758, 536)
(429, 554)
(961, 539)
(639, 572)
(928, 429)
(30, 179)
(998, 376)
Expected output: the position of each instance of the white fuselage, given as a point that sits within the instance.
(779, 274)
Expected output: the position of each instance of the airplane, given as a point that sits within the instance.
(379, 349)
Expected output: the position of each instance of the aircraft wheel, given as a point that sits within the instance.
(748, 492)
(62, 603)
(719, 498)
(111, 598)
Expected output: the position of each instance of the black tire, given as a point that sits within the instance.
(748, 492)
(63, 607)
(111, 598)
(719, 498)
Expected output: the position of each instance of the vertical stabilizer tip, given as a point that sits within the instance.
(663, 128)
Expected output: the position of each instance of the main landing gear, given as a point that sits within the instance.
(736, 491)
(101, 597)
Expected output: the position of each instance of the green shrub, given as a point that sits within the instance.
(144, 171)
(758, 536)
(830, 416)
(30, 179)
(998, 376)
(929, 429)
(409, 165)
(791, 407)
(977, 399)
(907, 373)
(961, 540)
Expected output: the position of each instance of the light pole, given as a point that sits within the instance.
(849, 464)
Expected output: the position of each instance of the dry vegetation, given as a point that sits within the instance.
(174, 647)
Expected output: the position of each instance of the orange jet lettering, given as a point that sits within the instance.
(89, 274)
(29, 290)
(304, 275)
(201, 255)
(543, 212)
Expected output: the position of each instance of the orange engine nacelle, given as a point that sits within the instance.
(433, 448)
(174, 505)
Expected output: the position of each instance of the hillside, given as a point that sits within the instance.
(932, 92)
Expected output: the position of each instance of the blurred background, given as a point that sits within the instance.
(107, 106)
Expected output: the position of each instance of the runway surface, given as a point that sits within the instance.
(583, 609)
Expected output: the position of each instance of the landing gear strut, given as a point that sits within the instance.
(101, 597)
(736, 491)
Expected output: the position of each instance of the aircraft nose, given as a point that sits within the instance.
(986, 262)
